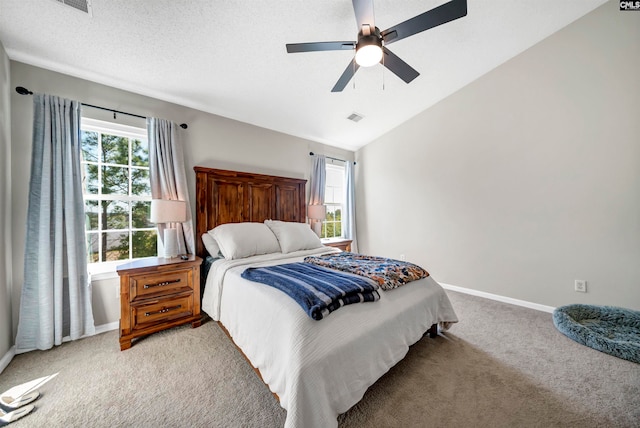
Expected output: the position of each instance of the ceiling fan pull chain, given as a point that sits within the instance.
(383, 72)
(354, 70)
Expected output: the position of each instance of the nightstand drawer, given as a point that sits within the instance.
(143, 286)
(161, 310)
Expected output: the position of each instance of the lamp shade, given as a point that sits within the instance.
(317, 212)
(165, 211)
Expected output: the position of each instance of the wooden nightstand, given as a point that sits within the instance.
(343, 244)
(156, 294)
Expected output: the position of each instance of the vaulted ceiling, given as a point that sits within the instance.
(229, 57)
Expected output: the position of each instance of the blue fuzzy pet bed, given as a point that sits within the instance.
(612, 330)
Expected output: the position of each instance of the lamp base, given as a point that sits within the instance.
(170, 243)
(317, 227)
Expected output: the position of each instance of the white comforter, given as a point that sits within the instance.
(319, 369)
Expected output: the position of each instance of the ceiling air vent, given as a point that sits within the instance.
(81, 5)
(355, 117)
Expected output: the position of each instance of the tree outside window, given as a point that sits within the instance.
(117, 192)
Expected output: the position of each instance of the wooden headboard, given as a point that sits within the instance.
(233, 197)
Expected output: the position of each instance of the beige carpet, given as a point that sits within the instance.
(501, 366)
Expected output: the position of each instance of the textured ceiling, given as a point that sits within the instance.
(229, 57)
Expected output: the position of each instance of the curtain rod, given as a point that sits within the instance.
(329, 157)
(24, 91)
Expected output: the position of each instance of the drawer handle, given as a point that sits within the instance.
(162, 311)
(161, 284)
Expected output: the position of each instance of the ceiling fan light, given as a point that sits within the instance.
(368, 55)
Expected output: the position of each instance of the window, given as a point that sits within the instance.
(334, 201)
(117, 192)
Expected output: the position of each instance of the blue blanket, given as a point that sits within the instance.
(318, 290)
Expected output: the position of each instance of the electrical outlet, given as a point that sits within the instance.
(402, 257)
(580, 285)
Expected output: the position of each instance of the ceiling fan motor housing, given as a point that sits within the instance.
(369, 39)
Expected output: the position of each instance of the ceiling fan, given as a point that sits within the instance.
(371, 44)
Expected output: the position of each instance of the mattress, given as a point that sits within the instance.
(319, 369)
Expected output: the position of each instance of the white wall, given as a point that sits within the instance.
(6, 337)
(526, 179)
(210, 140)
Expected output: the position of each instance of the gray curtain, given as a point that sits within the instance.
(56, 294)
(318, 180)
(168, 177)
(349, 217)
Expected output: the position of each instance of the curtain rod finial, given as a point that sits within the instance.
(23, 91)
(184, 126)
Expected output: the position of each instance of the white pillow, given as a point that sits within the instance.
(240, 240)
(294, 236)
(210, 244)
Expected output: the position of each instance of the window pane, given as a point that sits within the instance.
(90, 179)
(333, 222)
(330, 213)
(115, 215)
(115, 149)
(328, 195)
(139, 153)
(92, 248)
(115, 246)
(330, 233)
(145, 243)
(91, 213)
(335, 176)
(140, 184)
(338, 195)
(140, 212)
(90, 146)
(115, 180)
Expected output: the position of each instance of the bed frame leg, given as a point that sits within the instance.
(433, 331)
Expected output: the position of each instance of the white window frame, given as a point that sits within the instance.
(132, 132)
(340, 205)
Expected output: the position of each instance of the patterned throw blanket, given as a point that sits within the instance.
(318, 290)
(387, 273)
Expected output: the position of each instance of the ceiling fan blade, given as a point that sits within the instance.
(437, 16)
(398, 66)
(364, 13)
(320, 46)
(346, 76)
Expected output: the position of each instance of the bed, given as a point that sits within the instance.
(316, 369)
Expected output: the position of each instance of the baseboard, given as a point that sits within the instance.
(4, 362)
(524, 303)
(103, 328)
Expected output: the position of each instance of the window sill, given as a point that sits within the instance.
(105, 270)
(335, 239)
(104, 275)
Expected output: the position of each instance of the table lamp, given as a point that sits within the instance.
(166, 211)
(316, 214)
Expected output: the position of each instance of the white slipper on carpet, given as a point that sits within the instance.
(7, 418)
(9, 403)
